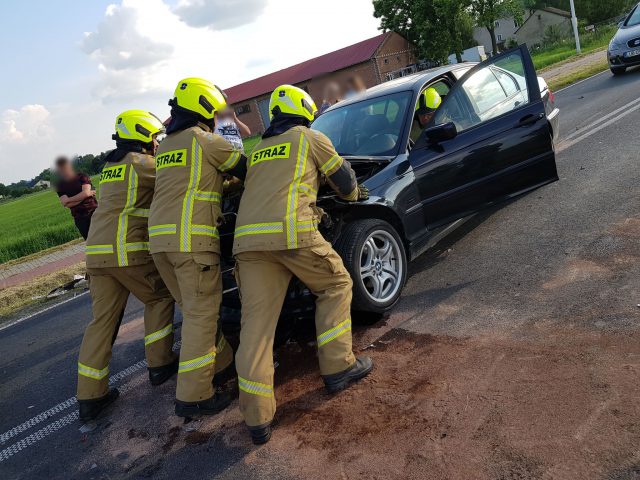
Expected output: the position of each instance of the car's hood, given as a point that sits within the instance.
(627, 33)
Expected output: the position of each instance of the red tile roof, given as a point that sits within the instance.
(330, 62)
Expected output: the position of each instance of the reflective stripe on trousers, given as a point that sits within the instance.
(90, 372)
(158, 335)
(335, 332)
(194, 364)
(255, 388)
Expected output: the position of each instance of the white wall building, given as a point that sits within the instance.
(530, 30)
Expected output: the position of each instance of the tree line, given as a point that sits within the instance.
(439, 28)
(88, 164)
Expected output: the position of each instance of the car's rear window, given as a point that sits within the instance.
(369, 128)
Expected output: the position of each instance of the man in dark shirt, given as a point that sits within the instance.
(74, 190)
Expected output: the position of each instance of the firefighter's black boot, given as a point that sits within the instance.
(159, 375)
(90, 409)
(225, 375)
(211, 406)
(260, 434)
(339, 381)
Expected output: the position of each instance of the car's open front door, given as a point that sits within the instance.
(501, 146)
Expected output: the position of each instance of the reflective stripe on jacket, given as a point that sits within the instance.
(277, 209)
(118, 236)
(185, 213)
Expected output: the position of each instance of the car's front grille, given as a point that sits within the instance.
(634, 43)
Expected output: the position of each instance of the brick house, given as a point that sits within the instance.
(373, 60)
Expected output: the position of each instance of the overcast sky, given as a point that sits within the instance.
(70, 66)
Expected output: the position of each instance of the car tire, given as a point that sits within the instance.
(618, 70)
(374, 255)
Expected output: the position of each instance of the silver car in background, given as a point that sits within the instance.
(624, 49)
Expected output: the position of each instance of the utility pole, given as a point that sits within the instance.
(574, 22)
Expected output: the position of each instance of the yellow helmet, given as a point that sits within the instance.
(199, 96)
(292, 100)
(429, 101)
(137, 125)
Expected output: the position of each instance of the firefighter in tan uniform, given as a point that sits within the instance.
(183, 234)
(276, 238)
(119, 263)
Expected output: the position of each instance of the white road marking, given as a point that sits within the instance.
(67, 419)
(592, 129)
(20, 320)
(69, 402)
(581, 81)
(601, 120)
(55, 426)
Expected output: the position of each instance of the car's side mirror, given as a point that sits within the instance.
(440, 133)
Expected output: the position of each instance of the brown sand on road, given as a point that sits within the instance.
(560, 405)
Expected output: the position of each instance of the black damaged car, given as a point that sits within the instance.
(491, 139)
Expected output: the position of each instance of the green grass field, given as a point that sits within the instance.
(33, 223)
(566, 49)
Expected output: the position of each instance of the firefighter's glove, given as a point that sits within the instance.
(363, 192)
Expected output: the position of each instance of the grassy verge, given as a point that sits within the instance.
(41, 253)
(577, 74)
(565, 49)
(31, 292)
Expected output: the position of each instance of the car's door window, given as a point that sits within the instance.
(507, 81)
(486, 94)
(443, 88)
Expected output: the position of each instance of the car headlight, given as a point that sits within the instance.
(614, 44)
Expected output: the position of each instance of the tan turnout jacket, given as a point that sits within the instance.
(118, 235)
(185, 213)
(277, 210)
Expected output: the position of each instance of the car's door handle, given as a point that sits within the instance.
(530, 119)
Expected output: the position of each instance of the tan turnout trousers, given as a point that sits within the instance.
(194, 281)
(263, 278)
(110, 288)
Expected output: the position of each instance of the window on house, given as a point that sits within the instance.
(497, 24)
(516, 24)
(246, 108)
(500, 38)
(386, 60)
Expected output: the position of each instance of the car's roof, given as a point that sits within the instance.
(402, 84)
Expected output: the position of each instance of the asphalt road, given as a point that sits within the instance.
(548, 260)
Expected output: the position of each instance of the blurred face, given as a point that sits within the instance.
(64, 168)
(225, 114)
(425, 118)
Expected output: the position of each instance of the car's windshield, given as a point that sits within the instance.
(370, 127)
(634, 18)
